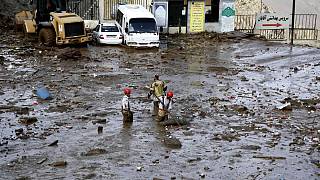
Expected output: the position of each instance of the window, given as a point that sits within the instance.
(119, 17)
(146, 25)
(212, 10)
(109, 29)
(97, 28)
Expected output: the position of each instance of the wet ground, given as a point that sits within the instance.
(246, 109)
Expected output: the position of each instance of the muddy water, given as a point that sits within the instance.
(229, 92)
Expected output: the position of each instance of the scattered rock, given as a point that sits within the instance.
(297, 141)
(18, 110)
(172, 121)
(240, 109)
(3, 143)
(28, 120)
(70, 54)
(270, 157)
(315, 162)
(95, 152)
(100, 121)
(251, 147)
(226, 137)
(243, 78)
(69, 127)
(21, 110)
(59, 164)
(194, 160)
(100, 129)
(2, 59)
(90, 176)
(157, 178)
(172, 142)
(23, 178)
(18, 131)
(54, 143)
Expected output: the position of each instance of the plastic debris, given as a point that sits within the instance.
(43, 93)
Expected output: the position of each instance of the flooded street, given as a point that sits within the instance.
(246, 109)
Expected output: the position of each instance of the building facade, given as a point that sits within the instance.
(194, 16)
(181, 16)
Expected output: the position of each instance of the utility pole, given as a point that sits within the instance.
(292, 18)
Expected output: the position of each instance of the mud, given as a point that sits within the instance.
(225, 123)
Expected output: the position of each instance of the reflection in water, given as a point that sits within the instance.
(125, 136)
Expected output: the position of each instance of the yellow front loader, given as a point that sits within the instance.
(52, 24)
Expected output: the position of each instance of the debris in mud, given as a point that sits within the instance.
(315, 162)
(139, 168)
(251, 147)
(3, 143)
(59, 164)
(226, 137)
(68, 54)
(297, 141)
(270, 157)
(172, 142)
(318, 78)
(95, 152)
(28, 120)
(309, 104)
(17, 109)
(285, 107)
(99, 113)
(217, 69)
(157, 178)
(18, 131)
(100, 129)
(2, 59)
(194, 160)
(173, 121)
(99, 121)
(24, 136)
(54, 143)
(240, 109)
(23, 178)
(42, 160)
(43, 93)
(61, 108)
(90, 176)
(202, 175)
(243, 56)
(216, 100)
(243, 78)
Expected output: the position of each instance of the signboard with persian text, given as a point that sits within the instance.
(271, 21)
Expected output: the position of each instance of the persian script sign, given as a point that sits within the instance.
(197, 17)
(271, 21)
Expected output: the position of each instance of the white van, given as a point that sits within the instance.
(138, 26)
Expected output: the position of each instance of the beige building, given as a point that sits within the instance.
(181, 16)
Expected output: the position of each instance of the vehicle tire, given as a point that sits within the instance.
(47, 36)
(24, 32)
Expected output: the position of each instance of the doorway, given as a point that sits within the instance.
(212, 10)
(177, 15)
